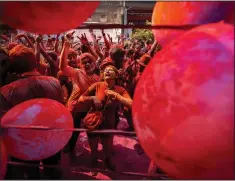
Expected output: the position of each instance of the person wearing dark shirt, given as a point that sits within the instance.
(30, 85)
(117, 54)
(142, 63)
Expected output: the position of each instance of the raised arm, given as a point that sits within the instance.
(96, 45)
(106, 42)
(122, 38)
(56, 45)
(37, 49)
(63, 64)
(84, 41)
(30, 44)
(153, 48)
(110, 39)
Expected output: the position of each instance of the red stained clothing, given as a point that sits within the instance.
(98, 90)
(30, 86)
(81, 81)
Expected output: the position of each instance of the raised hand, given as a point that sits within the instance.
(110, 38)
(83, 39)
(38, 38)
(67, 39)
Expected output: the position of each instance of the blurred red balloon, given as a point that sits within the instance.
(183, 107)
(3, 160)
(183, 13)
(31, 144)
(46, 17)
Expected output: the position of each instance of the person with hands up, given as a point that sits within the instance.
(86, 43)
(82, 79)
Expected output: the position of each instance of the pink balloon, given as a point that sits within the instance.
(183, 107)
(34, 144)
(185, 13)
(46, 17)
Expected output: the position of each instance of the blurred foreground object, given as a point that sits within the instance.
(34, 144)
(183, 107)
(186, 13)
(46, 17)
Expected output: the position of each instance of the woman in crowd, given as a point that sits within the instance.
(106, 97)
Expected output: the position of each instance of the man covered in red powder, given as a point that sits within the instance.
(82, 79)
(31, 84)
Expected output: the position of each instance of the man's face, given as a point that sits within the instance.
(88, 65)
(73, 61)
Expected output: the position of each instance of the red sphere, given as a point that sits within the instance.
(32, 144)
(3, 160)
(183, 107)
(183, 13)
(46, 17)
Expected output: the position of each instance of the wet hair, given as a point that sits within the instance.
(86, 55)
(72, 53)
(130, 52)
(105, 62)
(22, 59)
(116, 54)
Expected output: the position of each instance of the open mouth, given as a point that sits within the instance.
(107, 74)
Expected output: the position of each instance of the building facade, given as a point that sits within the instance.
(138, 12)
(122, 12)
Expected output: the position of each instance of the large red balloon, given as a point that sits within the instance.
(28, 144)
(183, 107)
(3, 160)
(46, 17)
(184, 13)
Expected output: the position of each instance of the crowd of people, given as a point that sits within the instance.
(87, 77)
